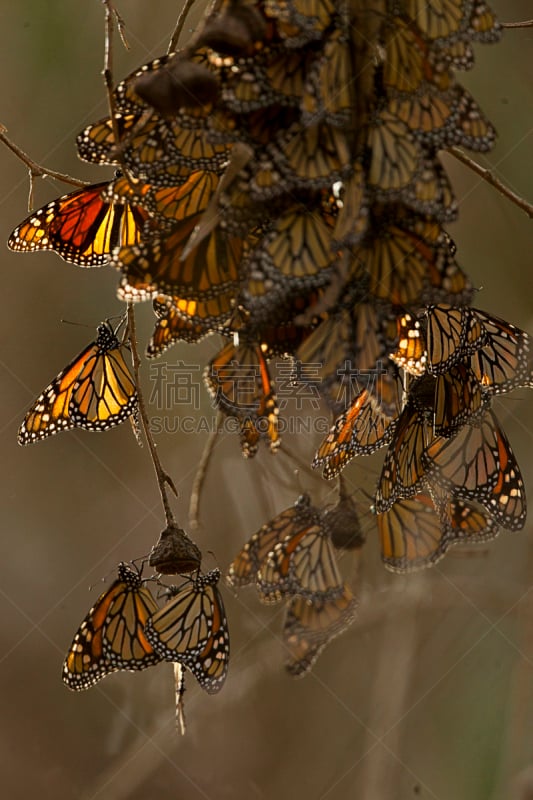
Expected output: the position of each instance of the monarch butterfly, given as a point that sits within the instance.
(312, 158)
(311, 625)
(81, 227)
(285, 72)
(246, 88)
(297, 248)
(192, 629)
(175, 553)
(395, 156)
(300, 21)
(402, 472)
(254, 128)
(408, 60)
(458, 54)
(453, 20)
(430, 193)
(95, 391)
(458, 399)
(442, 119)
(172, 327)
(343, 352)
(329, 89)
(245, 566)
(186, 320)
(238, 379)
(302, 563)
(283, 339)
(478, 464)
(411, 354)
(143, 140)
(447, 335)
(111, 637)
(361, 430)
(465, 521)
(401, 258)
(416, 532)
(169, 204)
(156, 267)
(168, 84)
(503, 363)
(158, 151)
(452, 333)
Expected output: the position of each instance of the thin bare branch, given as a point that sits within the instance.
(173, 44)
(163, 479)
(111, 15)
(528, 23)
(488, 176)
(201, 472)
(36, 170)
(121, 25)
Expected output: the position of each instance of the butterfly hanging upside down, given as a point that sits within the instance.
(192, 630)
(111, 637)
(96, 391)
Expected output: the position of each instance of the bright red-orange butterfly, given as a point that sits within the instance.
(81, 227)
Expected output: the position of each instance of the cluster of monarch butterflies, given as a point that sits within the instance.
(280, 185)
(293, 558)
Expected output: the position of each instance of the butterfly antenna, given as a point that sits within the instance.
(78, 324)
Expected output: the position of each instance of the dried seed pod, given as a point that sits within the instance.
(344, 525)
(175, 553)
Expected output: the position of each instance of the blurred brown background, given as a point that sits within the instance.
(428, 695)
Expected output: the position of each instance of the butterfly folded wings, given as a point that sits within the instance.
(192, 629)
(111, 637)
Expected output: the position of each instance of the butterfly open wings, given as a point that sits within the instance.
(82, 227)
(96, 391)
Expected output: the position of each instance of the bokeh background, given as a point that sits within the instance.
(428, 695)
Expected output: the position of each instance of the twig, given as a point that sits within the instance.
(110, 12)
(488, 176)
(201, 472)
(344, 493)
(179, 25)
(528, 23)
(162, 478)
(121, 25)
(35, 170)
